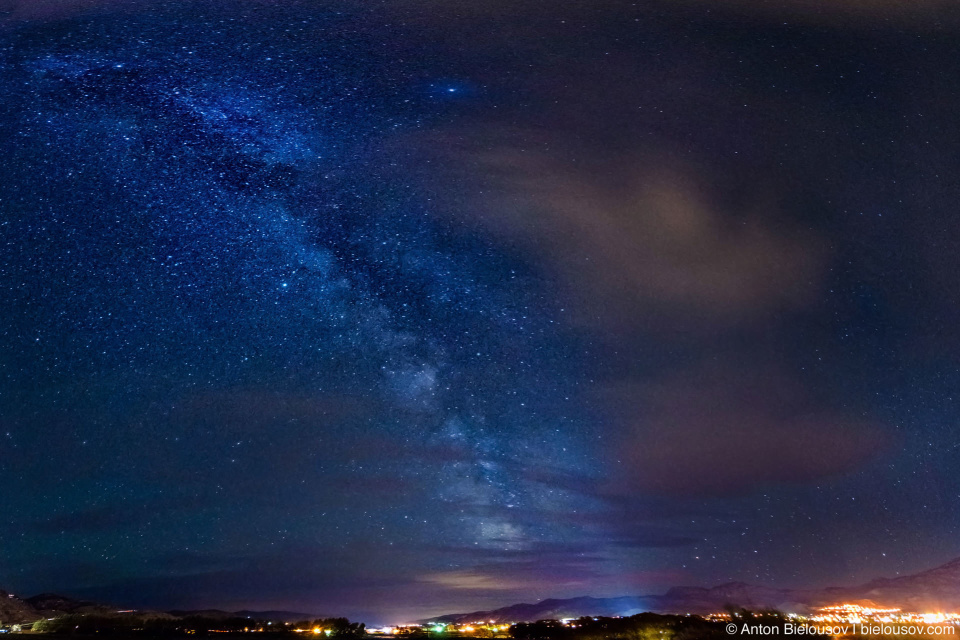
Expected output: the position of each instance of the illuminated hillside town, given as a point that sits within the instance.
(856, 614)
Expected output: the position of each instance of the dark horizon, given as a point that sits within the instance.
(930, 591)
(359, 308)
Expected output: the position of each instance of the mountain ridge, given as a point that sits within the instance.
(934, 589)
(16, 610)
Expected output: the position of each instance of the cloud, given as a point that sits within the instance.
(514, 19)
(526, 573)
(643, 244)
(851, 13)
(472, 580)
(712, 433)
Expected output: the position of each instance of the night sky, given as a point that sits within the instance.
(390, 309)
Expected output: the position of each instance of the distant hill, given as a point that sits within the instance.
(14, 610)
(552, 609)
(52, 604)
(936, 589)
(280, 616)
(274, 616)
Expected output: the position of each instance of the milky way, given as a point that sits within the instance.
(384, 311)
(237, 302)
